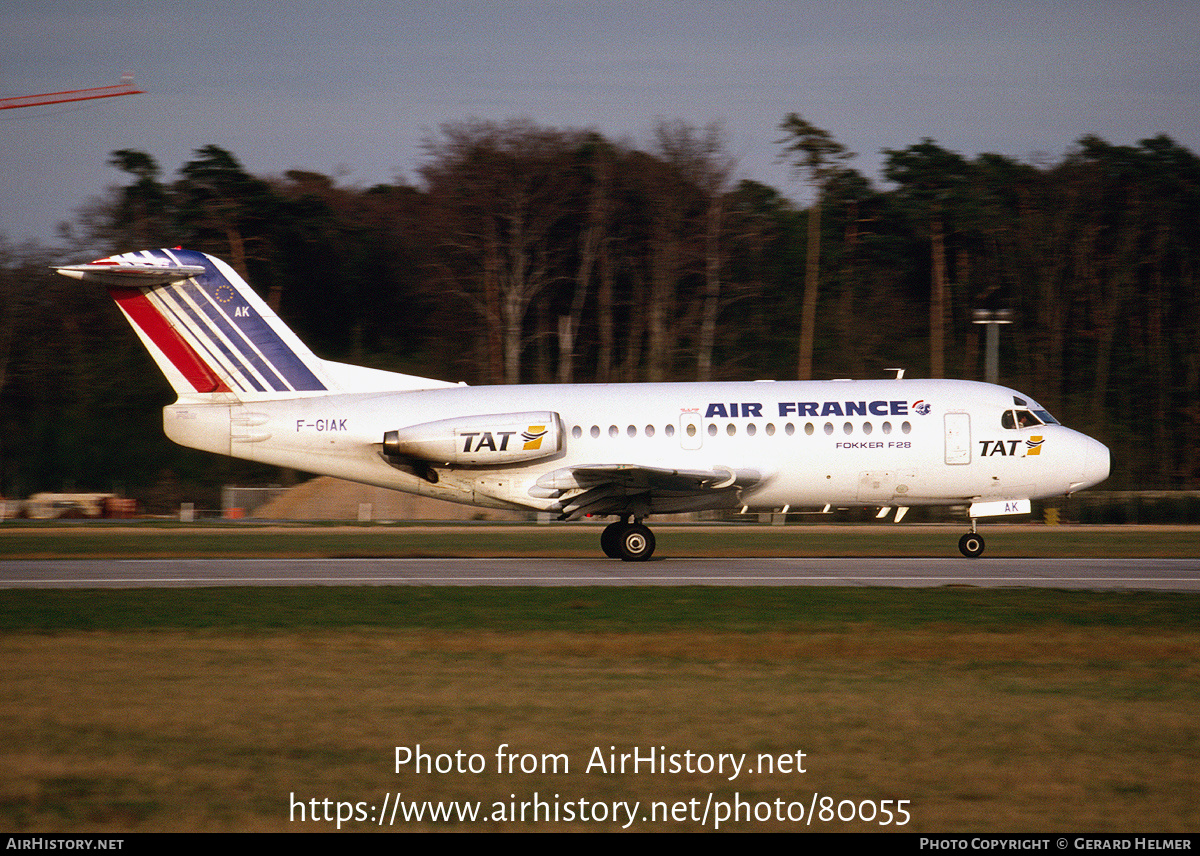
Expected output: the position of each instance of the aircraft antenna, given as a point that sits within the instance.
(899, 373)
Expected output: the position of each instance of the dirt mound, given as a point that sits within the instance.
(327, 498)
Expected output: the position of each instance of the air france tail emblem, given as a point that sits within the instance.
(533, 437)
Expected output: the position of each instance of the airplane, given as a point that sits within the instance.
(249, 388)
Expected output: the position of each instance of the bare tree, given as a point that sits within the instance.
(816, 157)
(499, 191)
(598, 164)
(699, 154)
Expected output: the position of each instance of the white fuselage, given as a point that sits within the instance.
(881, 443)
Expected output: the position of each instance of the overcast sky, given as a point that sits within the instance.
(351, 88)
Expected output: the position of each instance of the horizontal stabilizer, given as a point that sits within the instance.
(130, 274)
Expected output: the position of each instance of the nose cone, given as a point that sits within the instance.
(1096, 463)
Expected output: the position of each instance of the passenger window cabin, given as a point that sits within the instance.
(1011, 419)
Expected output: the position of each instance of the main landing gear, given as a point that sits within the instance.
(630, 542)
(971, 545)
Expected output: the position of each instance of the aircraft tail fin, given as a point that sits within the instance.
(210, 334)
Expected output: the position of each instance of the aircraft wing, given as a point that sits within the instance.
(634, 489)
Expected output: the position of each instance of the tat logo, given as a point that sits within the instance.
(533, 437)
(476, 442)
(1009, 448)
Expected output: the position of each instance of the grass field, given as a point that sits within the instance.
(234, 709)
(225, 709)
(147, 540)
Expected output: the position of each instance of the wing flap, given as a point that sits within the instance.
(632, 489)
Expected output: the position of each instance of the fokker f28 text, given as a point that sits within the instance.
(249, 388)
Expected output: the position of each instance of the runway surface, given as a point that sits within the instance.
(1130, 574)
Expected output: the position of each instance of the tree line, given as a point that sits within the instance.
(526, 253)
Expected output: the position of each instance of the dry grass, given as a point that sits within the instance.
(30, 540)
(1038, 729)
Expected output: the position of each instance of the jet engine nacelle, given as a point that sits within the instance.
(497, 438)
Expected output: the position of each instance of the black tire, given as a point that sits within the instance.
(971, 545)
(637, 543)
(610, 539)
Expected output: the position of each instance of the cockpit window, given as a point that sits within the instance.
(1019, 419)
(1026, 419)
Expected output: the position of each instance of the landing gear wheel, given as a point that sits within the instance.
(610, 539)
(637, 543)
(971, 545)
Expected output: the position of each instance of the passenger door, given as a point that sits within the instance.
(958, 438)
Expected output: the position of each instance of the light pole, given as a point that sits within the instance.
(993, 318)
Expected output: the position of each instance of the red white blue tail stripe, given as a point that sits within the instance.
(208, 331)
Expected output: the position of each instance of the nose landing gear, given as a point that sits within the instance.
(971, 545)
